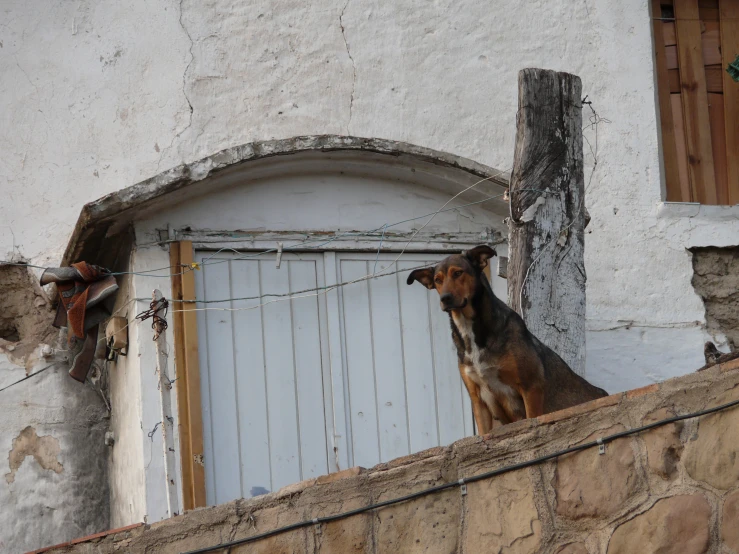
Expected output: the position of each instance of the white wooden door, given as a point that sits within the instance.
(403, 392)
(266, 418)
(301, 387)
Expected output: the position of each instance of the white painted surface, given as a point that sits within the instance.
(99, 95)
(270, 413)
(262, 376)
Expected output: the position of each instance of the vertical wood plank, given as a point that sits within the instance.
(192, 365)
(718, 140)
(388, 352)
(360, 366)
(686, 193)
(183, 406)
(308, 369)
(695, 102)
(417, 357)
(669, 150)
(729, 21)
(284, 426)
(254, 441)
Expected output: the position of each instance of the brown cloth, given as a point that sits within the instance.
(82, 289)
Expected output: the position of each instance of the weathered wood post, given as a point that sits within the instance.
(546, 270)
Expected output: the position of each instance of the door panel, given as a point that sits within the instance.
(404, 390)
(262, 375)
(267, 391)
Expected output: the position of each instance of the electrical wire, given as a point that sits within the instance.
(28, 377)
(464, 481)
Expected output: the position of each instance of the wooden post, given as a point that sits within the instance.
(546, 271)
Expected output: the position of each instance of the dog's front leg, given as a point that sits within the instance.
(483, 417)
(533, 400)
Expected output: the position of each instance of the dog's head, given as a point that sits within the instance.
(456, 278)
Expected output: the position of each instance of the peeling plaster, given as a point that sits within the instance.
(45, 450)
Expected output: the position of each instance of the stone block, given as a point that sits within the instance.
(712, 456)
(676, 525)
(426, 525)
(664, 447)
(589, 485)
(573, 548)
(350, 535)
(730, 522)
(501, 516)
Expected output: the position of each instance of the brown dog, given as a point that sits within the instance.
(509, 374)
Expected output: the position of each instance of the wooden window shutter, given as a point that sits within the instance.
(695, 40)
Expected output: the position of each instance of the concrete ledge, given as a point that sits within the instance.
(681, 471)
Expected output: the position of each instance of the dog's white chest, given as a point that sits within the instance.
(478, 367)
(475, 353)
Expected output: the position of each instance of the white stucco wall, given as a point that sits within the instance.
(99, 95)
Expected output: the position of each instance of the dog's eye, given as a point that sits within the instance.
(438, 280)
(457, 273)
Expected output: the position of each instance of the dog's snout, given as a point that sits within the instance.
(446, 299)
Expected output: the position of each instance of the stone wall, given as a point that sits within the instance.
(673, 489)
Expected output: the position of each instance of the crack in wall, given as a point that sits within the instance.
(184, 89)
(354, 66)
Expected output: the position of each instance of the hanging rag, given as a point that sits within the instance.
(82, 289)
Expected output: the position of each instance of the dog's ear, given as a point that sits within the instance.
(479, 255)
(424, 276)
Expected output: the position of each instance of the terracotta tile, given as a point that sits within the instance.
(87, 538)
(332, 477)
(731, 364)
(581, 409)
(641, 391)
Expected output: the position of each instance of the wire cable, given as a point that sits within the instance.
(466, 480)
(27, 377)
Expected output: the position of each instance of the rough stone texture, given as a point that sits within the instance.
(25, 316)
(502, 516)
(712, 456)
(677, 525)
(511, 513)
(428, 525)
(730, 521)
(716, 280)
(573, 548)
(593, 485)
(664, 447)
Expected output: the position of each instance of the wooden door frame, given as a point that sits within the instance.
(187, 363)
